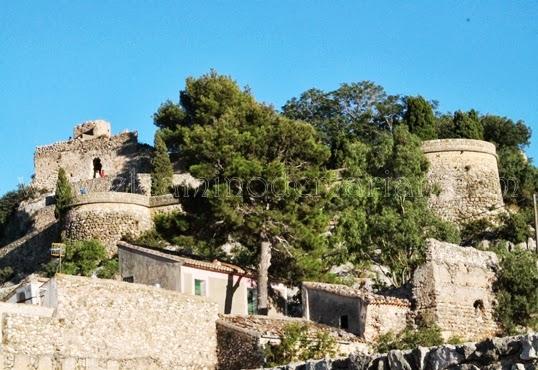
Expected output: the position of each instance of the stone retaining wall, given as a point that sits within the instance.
(466, 174)
(104, 324)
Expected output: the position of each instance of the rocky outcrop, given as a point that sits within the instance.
(510, 353)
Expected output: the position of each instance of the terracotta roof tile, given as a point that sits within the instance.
(215, 265)
(347, 291)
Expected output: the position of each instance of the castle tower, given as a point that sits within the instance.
(92, 154)
(465, 177)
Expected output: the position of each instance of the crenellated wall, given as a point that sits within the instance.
(466, 176)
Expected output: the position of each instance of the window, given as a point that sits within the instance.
(344, 324)
(129, 279)
(199, 287)
(21, 297)
(252, 301)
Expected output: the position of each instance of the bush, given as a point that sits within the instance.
(296, 346)
(426, 335)
(517, 291)
(108, 269)
(6, 274)
(81, 258)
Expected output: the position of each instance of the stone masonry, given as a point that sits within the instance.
(466, 175)
(453, 289)
(510, 353)
(110, 216)
(119, 156)
(103, 324)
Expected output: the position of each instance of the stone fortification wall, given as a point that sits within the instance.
(466, 175)
(105, 323)
(454, 290)
(29, 252)
(110, 216)
(119, 155)
(238, 348)
(510, 353)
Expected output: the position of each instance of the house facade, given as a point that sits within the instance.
(231, 287)
(362, 313)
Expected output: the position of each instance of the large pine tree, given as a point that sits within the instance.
(263, 174)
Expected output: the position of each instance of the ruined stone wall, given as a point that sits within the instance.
(454, 289)
(120, 155)
(105, 321)
(383, 318)
(466, 174)
(110, 216)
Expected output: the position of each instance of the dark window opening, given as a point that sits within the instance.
(344, 324)
(97, 167)
(129, 279)
(478, 306)
(21, 297)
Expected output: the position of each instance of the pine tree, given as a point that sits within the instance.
(162, 168)
(419, 118)
(64, 194)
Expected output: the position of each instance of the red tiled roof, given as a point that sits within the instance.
(274, 326)
(347, 291)
(215, 265)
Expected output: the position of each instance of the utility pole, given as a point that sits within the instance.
(535, 222)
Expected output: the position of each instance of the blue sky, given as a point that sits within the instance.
(64, 62)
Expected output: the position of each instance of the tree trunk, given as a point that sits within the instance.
(263, 278)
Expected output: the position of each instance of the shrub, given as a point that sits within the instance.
(108, 269)
(81, 258)
(6, 273)
(163, 171)
(425, 335)
(296, 345)
(516, 290)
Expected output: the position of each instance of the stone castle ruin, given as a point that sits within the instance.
(92, 154)
(465, 176)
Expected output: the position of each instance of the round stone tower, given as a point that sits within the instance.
(465, 178)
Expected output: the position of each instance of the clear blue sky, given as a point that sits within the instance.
(64, 62)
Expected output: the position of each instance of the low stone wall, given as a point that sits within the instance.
(238, 348)
(108, 322)
(511, 353)
(25, 362)
(110, 216)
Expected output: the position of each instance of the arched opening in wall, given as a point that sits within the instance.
(478, 307)
(97, 168)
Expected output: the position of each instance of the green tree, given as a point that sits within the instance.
(504, 132)
(81, 258)
(379, 207)
(419, 117)
(261, 173)
(516, 291)
(64, 194)
(355, 111)
(297, 344)
(467, 125)
(163, 172)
